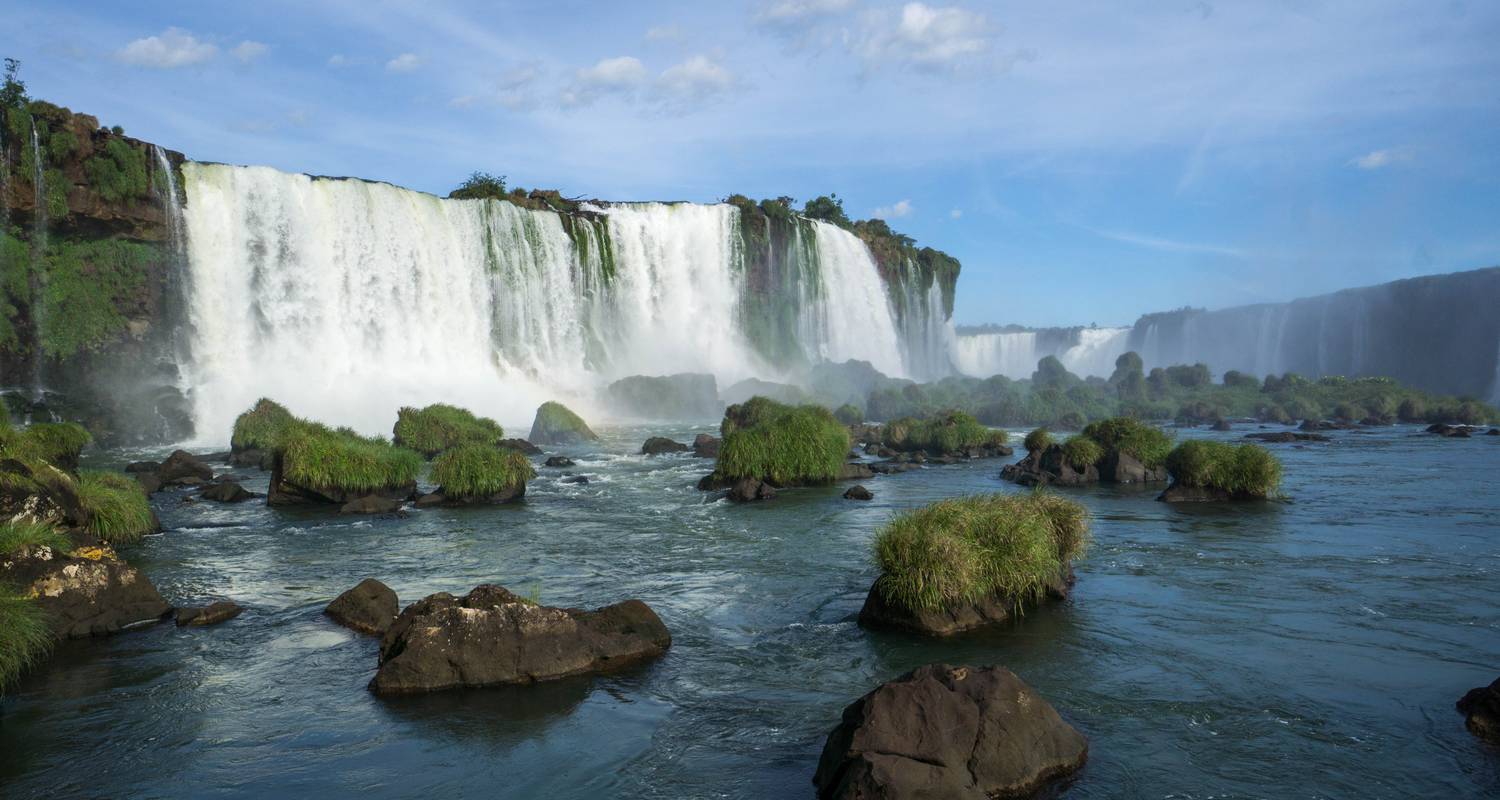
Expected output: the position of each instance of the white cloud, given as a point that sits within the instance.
(174, 48)
(791, 14)
(339, 60)
(902, 208)
(248, 51)
(611, 76)
(664, 33)
(513, 90)
(693, 82)
(956, 213)
(1376, 159)
(927, 38)
(406, 62)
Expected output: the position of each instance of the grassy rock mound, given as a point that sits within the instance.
(312, 463)
(1118, 450)
(481, 473)
(1215, 471)
(440, 427)
(965, 733)
(768, 445)
(491, 637)
(949, 433)
(966, 562)
(555, 423)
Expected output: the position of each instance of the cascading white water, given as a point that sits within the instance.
(38, 255)
(1096, 351)
(345, 299)
(1014, 354)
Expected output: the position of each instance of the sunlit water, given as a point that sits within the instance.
(1312, 648)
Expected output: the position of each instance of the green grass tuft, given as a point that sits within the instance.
(119, 512)
(480, 470)
(18, 536)
(57, 443)
(262, 427)
(942, 433)
(1147, 443)
(1245, 470)
(783, 444)
(24, 636)
(849, 414)
(1038, 440)
(440, 427)
(322, 459)
(1082, 452)
(968, 548)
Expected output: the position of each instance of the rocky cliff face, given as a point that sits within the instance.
(89, 258)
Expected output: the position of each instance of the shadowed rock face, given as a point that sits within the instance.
(492, 637)
(878, 614)
(90, 593)
(1482, 708)
(963, 733)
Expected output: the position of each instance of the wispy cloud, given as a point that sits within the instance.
(248, 51)
(406, 62)
(693, 83)
(170, 49)
(1377, 159)
(621, 75)
(1167, 245)
(901, 208)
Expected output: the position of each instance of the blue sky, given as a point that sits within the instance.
(1087, 161)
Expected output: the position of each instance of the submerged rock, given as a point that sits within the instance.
(705, 446)
(1285, 437)
(576, 479)
(371, 504)
(227, 492)
(558, 461)
(1492, 432)
(659, 445)
(749, 490)
(1482, 710)
(491, 637)
(879, 614)
(90, 592)
(370, 607)
(211, 614)
(1050, 467)
(957, 733)
(858, 493)
(1452, 431)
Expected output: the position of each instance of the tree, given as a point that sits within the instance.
(13, 92)
(480, 185)
(828, 208)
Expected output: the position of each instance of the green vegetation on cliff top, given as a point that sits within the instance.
(480, 470)
(966, 549)
(786, 445)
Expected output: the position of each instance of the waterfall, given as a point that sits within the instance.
(345, 299)
(1096, 351)
(37, 280)
(1014, 354)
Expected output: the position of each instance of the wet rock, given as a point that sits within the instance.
(522, 445)
(1492, 432)
(371, 607)
(90, 592)
(705, 446)
(501, 497)
(149, 482)
(1481, 707)
(878, 614)
(559, 461)
(227, 492)
(1222, 425)
(430, 500)
(491, 637)
(185, 469)
(660, 445)
(211, 614)
(260, 459)
(576, 479)
(1451, 431)
(1285, 437)
(749, 490)
(143, 467)
(1178, 493)
(958, 733)
(855, 472)
(891, 467)
(858, 493)
(284, 492)
(371, 504)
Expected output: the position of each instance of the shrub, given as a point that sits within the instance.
(57, 443)
(322, 459)
(479, 186)
(1245, 470)
(24, 636)
(944, 433)
(119, 173)
(1038, 440)
(440, 427)
(1148, 444)
(480, 470)
(1082, 452)
(782, 444)
(262, 427)
(18, 536)
(965, 549)
(849, 414)
(1412, 409)
(118, 510)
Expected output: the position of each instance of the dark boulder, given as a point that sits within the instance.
(211, 614)
(659, 445)
(522, 445)
(1451, 431)
(371, 607)
(1117, 467)
(371, 504)
(877, 614)
(1285, 437)
(143, 467)
(956, 733)
(1492, 432)
(183, 468)
(705, 446)
(576, 479)
(430, 500)
(91, 592)
(501, 497)
(855, 472)
(1222, 425)
(491, 637)
(149, 482)
(1178, 493)
(558, 461)
(259, 459)
(1481, 707)
(227, 492)
(858, 493)
(749, 490)
(891, 467)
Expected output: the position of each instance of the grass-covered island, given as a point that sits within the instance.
(441, 427)
(965, 562)
(769, 445)
(1117, 450)
(555, 423)
(944, 433)
(1205, 470)
(480, 473)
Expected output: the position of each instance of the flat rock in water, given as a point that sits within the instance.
(1284, 437)
(370, 607)
(1481, 708)
(430, 500)
(491, 637)
(558, 461)
(957, 733)
(227, 492)
(855, 472)
(880, 615)
(371, 504)
(660, 445)
(858, 493)
(211, 614)
(576, 479)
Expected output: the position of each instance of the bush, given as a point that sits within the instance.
(1147, 443)
(18, 536)
(118, 510)
(970, 548)
(119, 173)
(262, 427)
(322, 459)
(943, 433)
(57, 443)
(782, 444)
(1412, 409)
(440, 427)
(480, 470)
(1082, 452)
(479, 186)
(1038, 440)
(1245, 470)
(849, 414)
(24, 636)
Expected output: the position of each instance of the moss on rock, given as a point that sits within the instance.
(555, 423)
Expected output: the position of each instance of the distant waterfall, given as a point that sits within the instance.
(346, 298)
(1014, 354)
(37, 280)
